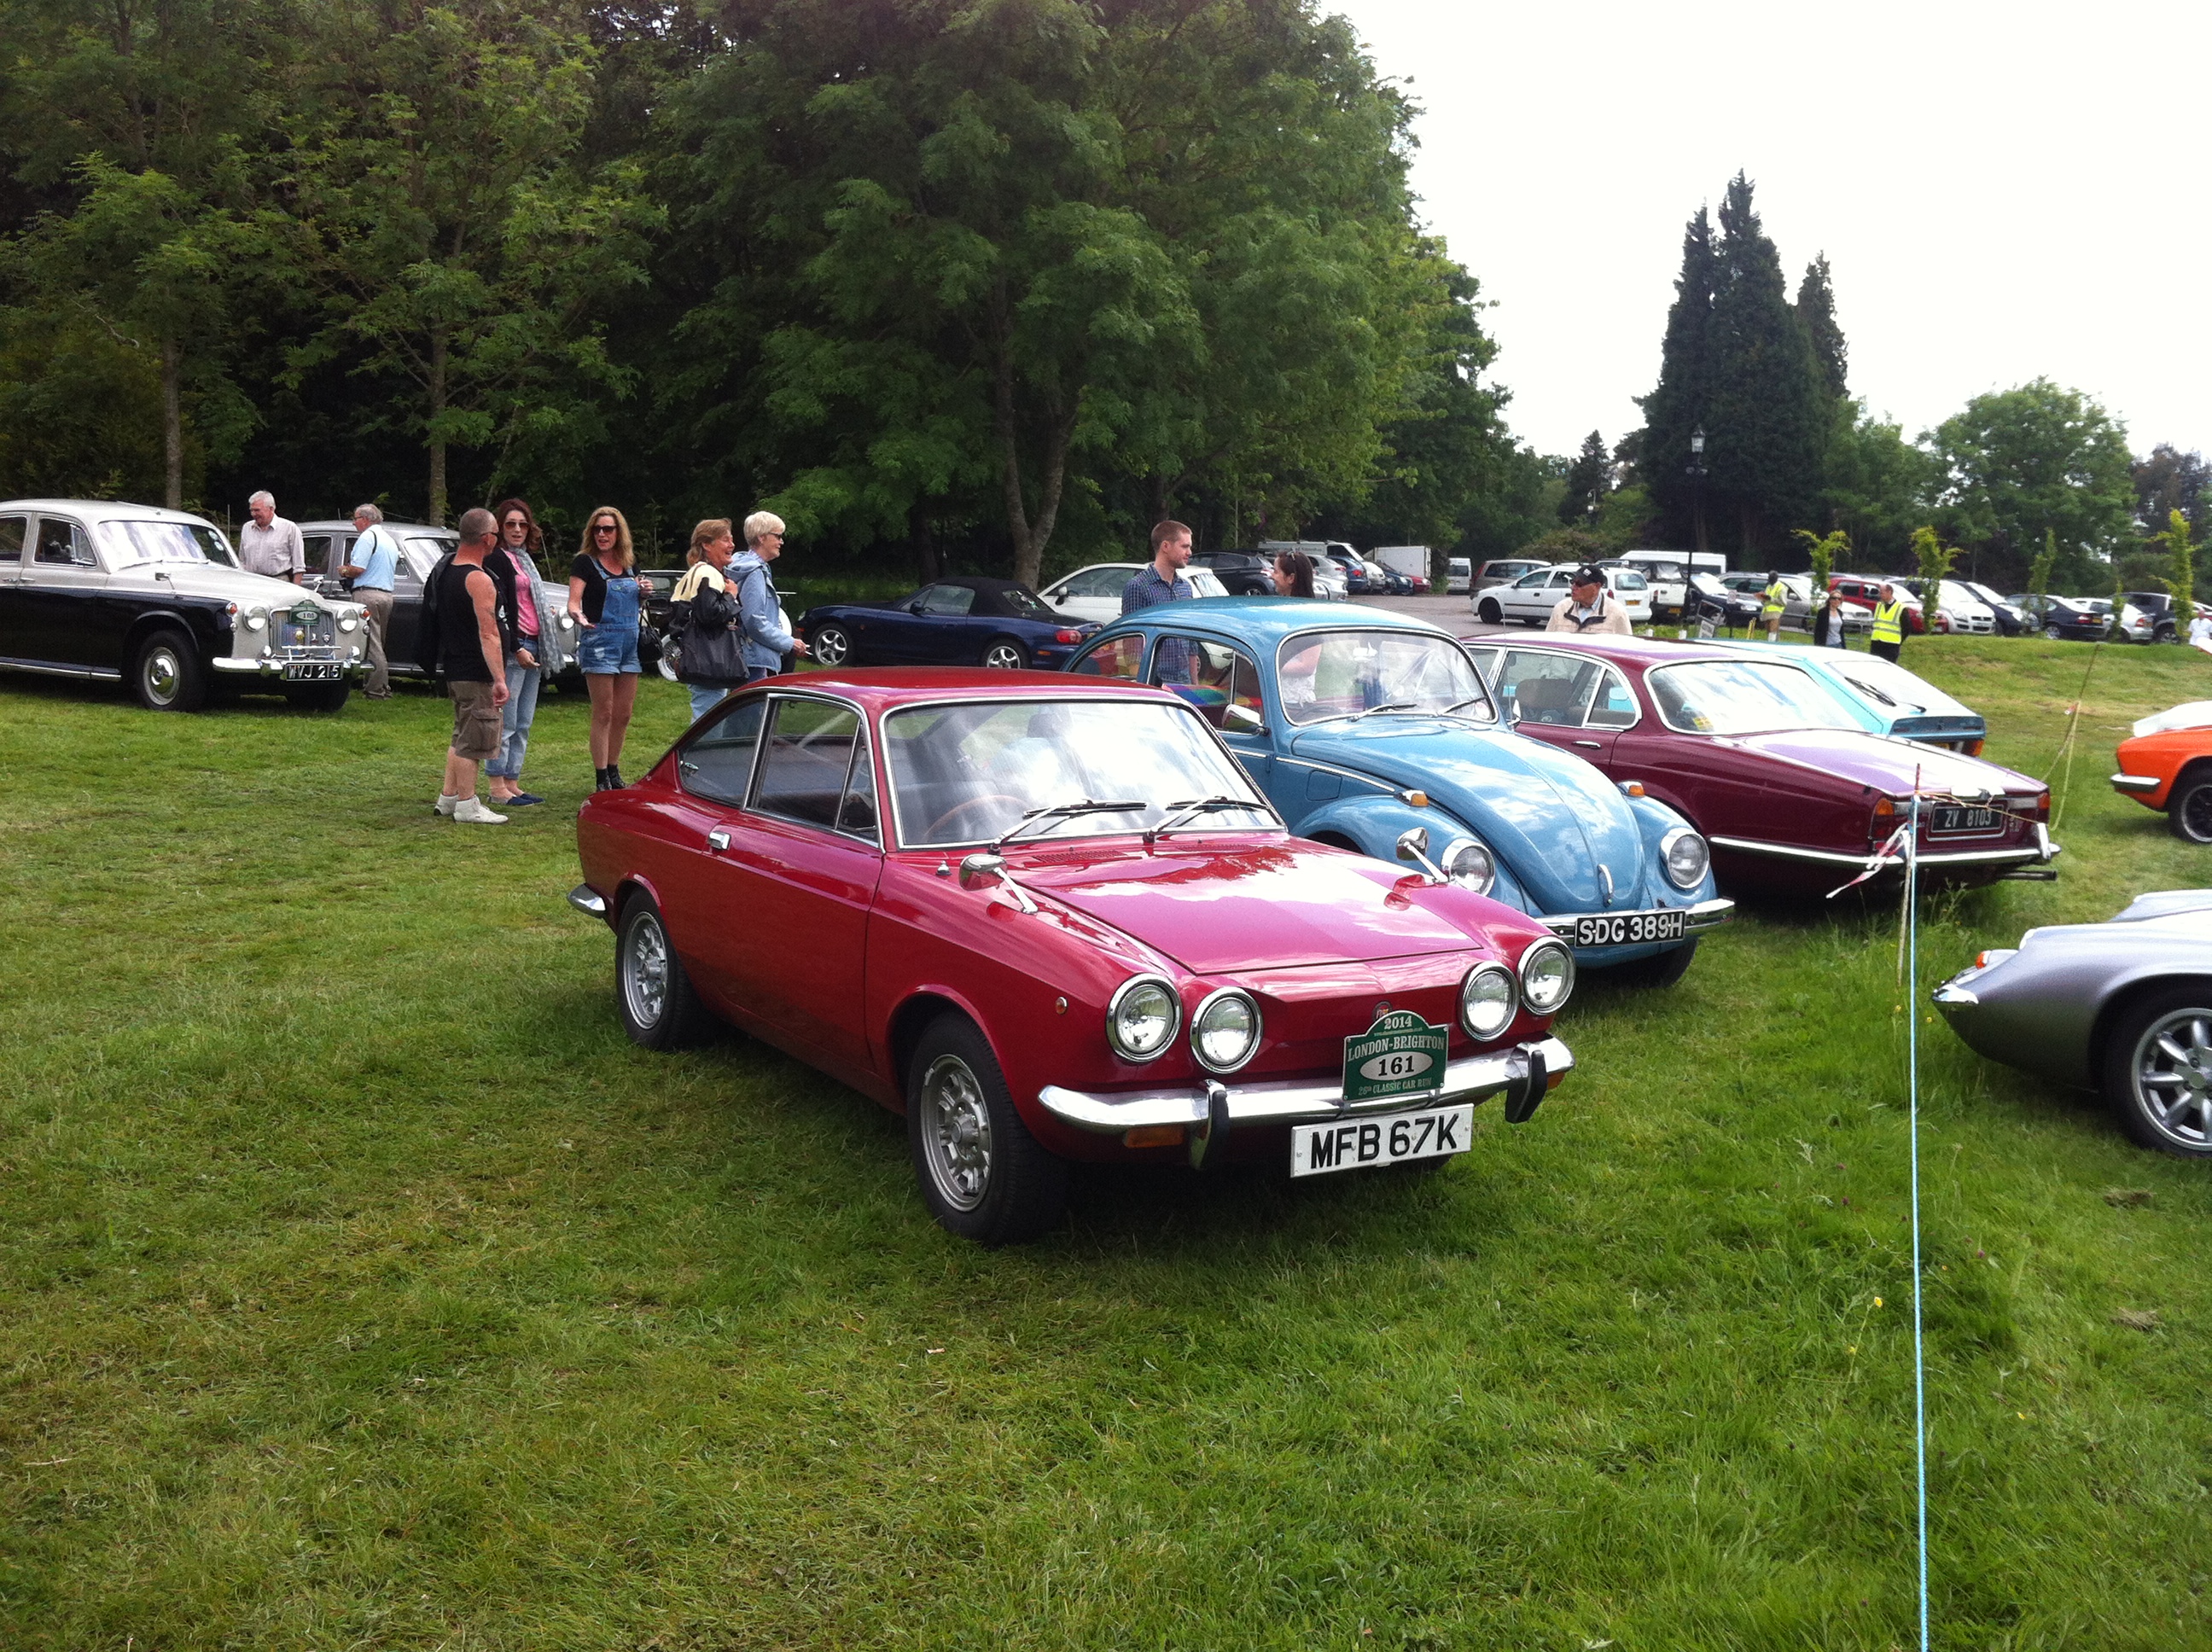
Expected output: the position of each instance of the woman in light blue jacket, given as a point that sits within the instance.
(767, 636)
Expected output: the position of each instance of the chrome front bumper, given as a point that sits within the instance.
(2136, 784)
(1706, 914)
(274, 664)
(1304, 1100)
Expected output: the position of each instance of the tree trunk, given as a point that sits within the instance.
(923, 543)
(1029, 536)
(437, 388)
(173, 427)
(1162, 498)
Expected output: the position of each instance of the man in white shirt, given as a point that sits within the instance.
(269, 545)
(1589, 607)
(2200, 633)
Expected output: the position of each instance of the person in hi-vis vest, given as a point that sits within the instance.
(1888, 639)
(1778, 597)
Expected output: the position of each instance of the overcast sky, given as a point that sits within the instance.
(2003, 192)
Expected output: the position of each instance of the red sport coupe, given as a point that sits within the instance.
(1051, 918)
(1794, 796)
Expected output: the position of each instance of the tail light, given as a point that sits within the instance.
(1973, 748)
(1064, 634)
(2043, 807)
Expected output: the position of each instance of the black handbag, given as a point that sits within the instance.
(713, 647)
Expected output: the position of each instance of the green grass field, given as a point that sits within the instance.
(360, 1286)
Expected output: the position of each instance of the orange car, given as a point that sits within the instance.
(2168, 765)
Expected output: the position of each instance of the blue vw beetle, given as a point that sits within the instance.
(1374, 732)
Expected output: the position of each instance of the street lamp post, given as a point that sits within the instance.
(1697, 475)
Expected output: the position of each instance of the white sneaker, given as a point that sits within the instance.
(445, 804)
(472, 811)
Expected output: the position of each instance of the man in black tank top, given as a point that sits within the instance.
(463, 606)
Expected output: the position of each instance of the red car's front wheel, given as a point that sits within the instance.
(982, 1175)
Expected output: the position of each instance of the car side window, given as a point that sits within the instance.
(1535, 582)
(857, 813)
(61, 544)
(11, 537)
(719, 761)
(1613, 706)
(1545, 688)
(1121, 658)
(1486, 661)
(947, 599)
(1211, 675)
(804, 764)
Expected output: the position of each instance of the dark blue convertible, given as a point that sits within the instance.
(955, 621)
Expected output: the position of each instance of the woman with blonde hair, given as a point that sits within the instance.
(605, 599)
(711, 666)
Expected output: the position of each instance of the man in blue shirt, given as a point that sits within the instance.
(373, 565)
(1163, 580)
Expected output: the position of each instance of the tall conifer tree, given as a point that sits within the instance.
(1816, 311)
(1677, 406)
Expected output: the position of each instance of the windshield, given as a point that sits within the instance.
(1729, 696)
(1345, 673)
(1627, 579)
(969, 773)
(1026, 602)
(423, 551)
(1892, 685)
(131, 543)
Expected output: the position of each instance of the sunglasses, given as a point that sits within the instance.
(605, 527)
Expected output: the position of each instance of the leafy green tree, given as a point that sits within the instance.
(1934, 561)
(1825, 553)
(2017, 462)
(453, 240)
(1815, 310)
(1879, 486)
(2167, 480)
(1589, 478)
(2181, 577)
(2039, 573)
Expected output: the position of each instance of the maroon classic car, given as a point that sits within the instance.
(1793, 795)
(1048, 918)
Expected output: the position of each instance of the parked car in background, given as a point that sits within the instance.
(1459, 575)
(2124, 1007)
(1794, 795)
(2165, 763)
(2012, 619)
(960, 621)
(1800, 606)
(1093, 594)
(330, 547)
(1241, 573)
(110, 592)
(1865, 589)
(1884, 698)
(1669, 571)
(1365, 725)
(1957, 609)
(2150, 616)
(2072, 619)
(1053, 920)
(1410, 561)
(1710, 600)
(1530, 598)
(1504, 570)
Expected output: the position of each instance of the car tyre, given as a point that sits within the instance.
(1004, 655)
(982, 1175)
(2051, 632)
(1490, 613)
(319, 696)
(832, 646)
(167, 672)
(1660, 970)
(660, 1008)
(2174, 1116)
(2188, 807)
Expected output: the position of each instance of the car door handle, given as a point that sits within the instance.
(718, 839)
(1595, 745)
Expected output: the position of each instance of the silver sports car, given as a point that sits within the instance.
(2124, 1007)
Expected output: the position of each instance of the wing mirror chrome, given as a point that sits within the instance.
(977, 868)
(1413, 844)
(1242, 720)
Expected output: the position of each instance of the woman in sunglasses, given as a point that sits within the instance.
(605, 598)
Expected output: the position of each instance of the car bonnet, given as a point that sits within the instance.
(223, 584)
(1552, 818)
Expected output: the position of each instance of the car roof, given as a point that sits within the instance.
(103, 510)
(336, 525)
(1641, 650)
(883, 688)
(1273, 617)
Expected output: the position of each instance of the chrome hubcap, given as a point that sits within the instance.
(2173, 1077)
(162, 671)
(645, 972)
(956, 1127)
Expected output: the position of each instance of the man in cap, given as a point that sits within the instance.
(1589, 607)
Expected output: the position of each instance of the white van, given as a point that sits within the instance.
(1669, 572)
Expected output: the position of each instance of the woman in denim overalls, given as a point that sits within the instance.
(604, 596)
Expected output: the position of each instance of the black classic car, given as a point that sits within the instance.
(110, 591)
(954, 621)
(330, 547)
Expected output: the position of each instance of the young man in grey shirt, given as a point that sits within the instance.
(269, 545)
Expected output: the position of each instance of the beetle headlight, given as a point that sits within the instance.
(1142, 1019)
(1486, 1001)
(1547, 975)
(1466, 862)
(1686, 857)
(1225, 1030)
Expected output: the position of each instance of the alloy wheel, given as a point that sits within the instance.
(956, 1133)
(831, 645)
(1002, 657)
(645, 970)
(2172, 1074)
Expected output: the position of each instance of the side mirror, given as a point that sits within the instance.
(1414, 843)
(1242, 720)
(975, 868)
(913, 608)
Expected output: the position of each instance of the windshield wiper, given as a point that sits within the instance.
(1180, 814)
(1369, 710)
(1060, 811)
(1472, 700)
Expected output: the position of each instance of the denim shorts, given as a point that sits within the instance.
(608, 651)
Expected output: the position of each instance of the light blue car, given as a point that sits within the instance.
(1374, 732)
(1885, 698)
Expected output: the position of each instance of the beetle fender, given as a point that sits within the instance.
(1374, 822)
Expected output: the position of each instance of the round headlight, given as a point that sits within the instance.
(1486, 1001)
(1686, 857)
(349, 622)
(567, 621)
(1547, 975)
(1225, 1030)
(1466, 861)
(256, 618)
(1142, 1019)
